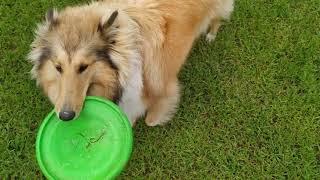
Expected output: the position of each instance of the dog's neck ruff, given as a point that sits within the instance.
(131, 101)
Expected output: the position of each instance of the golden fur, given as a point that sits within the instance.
(148, 38)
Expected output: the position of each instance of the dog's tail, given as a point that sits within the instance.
(222, 9)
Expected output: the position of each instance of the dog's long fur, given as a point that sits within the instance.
(129, 51)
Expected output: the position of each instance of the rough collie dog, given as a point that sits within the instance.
(128, 51)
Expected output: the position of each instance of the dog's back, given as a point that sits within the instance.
(170, 28)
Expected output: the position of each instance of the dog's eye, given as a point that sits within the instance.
(59, 68)
(82, 68)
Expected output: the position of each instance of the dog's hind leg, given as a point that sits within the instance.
(164, 106)
(213, 29)
(222, 14)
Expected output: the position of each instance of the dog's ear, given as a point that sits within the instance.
(52, 16)
(108, 23)
(111, 19)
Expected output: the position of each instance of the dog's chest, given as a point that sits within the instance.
(131, 101)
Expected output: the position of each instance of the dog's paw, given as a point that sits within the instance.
(152, 123)
(210, 37)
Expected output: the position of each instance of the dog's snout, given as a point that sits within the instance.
(67, 115)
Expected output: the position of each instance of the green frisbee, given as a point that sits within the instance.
(96, 145)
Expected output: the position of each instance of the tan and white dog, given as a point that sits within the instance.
(128, 51)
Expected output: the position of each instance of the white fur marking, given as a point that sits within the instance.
(211, 37)
(131, 100)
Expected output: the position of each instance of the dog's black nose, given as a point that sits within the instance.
(67, 115)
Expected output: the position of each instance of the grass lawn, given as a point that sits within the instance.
(250, 104)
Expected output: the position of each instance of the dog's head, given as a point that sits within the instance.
(82, 51)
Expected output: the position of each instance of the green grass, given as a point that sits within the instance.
(250, 100)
